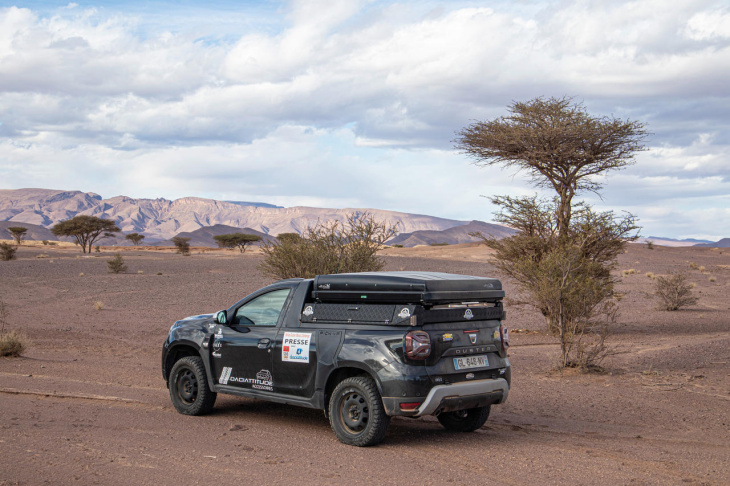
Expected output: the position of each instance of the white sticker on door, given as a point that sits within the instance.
(296, 347)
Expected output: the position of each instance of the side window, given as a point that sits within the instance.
(264, 310)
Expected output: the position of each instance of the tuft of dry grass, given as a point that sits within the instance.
(713, 279)
(98, 305)
(650, 275)
(42, 255)
(139, 272)
(702, 269)
(13, 343)
(630, 271)
(81, 274)
(693, 266)
(159, 273)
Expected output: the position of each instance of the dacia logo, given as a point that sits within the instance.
(468, 314)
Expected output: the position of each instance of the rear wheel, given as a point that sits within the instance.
(356, 412)
(189, 389)
(465, 420)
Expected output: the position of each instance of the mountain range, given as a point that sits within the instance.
(161, 219)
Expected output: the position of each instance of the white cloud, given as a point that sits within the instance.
(297, 107)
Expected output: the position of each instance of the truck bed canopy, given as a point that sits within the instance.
(428, 288)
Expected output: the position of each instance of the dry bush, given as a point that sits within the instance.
(713, 279)
(693, 266)
(630, 271)
(702, 269)
(98, 305)
(81, 274)
(116, 264)
(7, 252)
(333, 247)
(12, 343)
(674, 292)
(649, 245)
(650, 275)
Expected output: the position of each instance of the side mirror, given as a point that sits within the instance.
(221, 317)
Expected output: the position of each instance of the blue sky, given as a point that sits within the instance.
(355, 103)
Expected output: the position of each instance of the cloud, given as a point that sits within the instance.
(296, 104)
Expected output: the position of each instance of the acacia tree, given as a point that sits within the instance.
(86, 230)
(182, 244)
(135, 238)
(236, 240)
(18, 233)
(558, 144)
(564, 252)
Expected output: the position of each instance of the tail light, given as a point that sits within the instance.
(504, 336)
(418, 345)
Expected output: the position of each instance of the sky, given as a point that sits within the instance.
(356, 103)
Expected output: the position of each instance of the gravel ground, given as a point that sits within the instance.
(86, 403)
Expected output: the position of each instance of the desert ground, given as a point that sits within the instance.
(86, 403)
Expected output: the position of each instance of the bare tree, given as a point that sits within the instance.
(558, 143)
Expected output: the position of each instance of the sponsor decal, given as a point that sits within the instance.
(448, 337)
(496, 334)
(473, 338)
(217, 345)
(404, 313)
(205, 344)
(225, 375)
(308, 311)
(323, 286)
(295, 347)
(211, 326)
(263, 380)
(468, 314)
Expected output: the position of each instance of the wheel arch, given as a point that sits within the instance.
(180, 350)
(342, 373)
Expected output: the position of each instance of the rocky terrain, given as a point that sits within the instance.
(86, 402)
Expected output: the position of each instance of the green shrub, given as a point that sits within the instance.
(333, 247)
(116, 264)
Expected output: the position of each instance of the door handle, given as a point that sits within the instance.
(264, 343)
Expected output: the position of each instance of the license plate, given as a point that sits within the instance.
(468, 362)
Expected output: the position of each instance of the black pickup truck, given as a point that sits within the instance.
(363, 347)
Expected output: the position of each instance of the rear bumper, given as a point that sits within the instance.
(459, 396)
(448, 398)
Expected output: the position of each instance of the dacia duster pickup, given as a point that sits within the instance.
(362, 347)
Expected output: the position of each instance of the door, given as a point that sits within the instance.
(242, 351)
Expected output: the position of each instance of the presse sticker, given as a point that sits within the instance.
(296, 347)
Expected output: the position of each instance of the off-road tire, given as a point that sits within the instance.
(356, 412)
(465, 420)
(189, 390)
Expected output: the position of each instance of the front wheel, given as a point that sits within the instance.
(189, 389)
(357, 415)
(465, 420)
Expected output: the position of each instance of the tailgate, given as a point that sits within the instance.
(466, 344)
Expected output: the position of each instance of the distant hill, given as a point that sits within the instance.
(204, 236)
(723, 243)
(452, 236)
(161, 219)
(34, 232)
(658, 240)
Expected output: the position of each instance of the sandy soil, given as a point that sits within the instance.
(86, 403)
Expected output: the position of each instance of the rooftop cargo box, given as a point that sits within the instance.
(428, 288)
